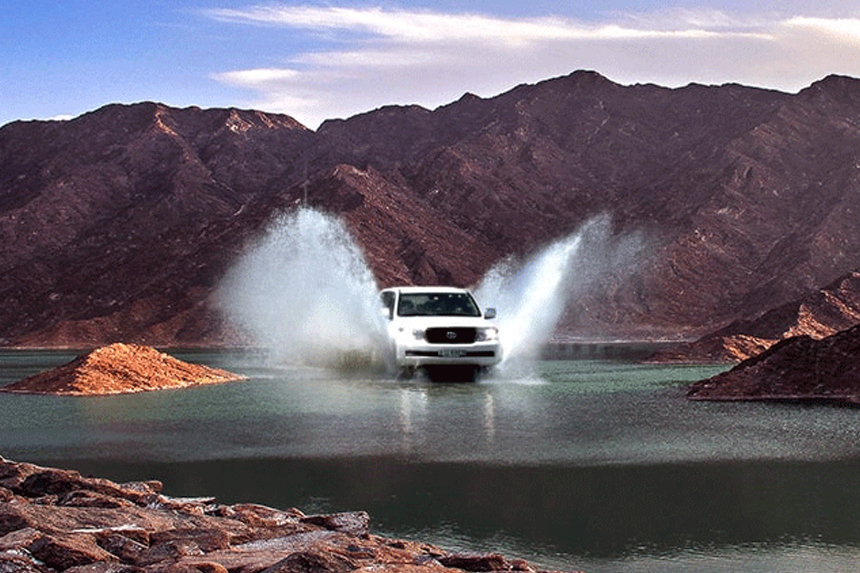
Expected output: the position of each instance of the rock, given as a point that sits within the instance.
(312, 562)
(260, 515)
(11, 562)
(354, 523)
(54, 521)
(69, 549)
(119, 369)
(796, 369)
(207, 540)
(476, 562)
(127, 548)
(105, 567)
(19, 538)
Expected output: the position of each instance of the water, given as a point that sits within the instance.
(597, 464)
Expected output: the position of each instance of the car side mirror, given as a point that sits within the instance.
(387, 312)
(490, 313)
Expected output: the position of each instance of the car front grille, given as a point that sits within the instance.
(450, 335)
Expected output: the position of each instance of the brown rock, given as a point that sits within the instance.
(120, 369)
(91, 499)
(60, 552)
(259, 515)
(312, 562)
(476, 562)
(207, 540)
(167, 552)
(13, 519)
(33, 481)
(105, 567)
(124, 545)
(18, 563)
(354, 523)
(796, 369)
(19, 538)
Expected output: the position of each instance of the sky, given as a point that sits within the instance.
(323, 60)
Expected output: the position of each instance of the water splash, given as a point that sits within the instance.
(305, 293)
(528, 299)
(531, 296)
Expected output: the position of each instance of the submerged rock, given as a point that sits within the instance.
(144, 531)
(797, 369)
(120, 369)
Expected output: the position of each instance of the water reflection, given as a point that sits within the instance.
(413, 403)
(421, 405)
(489, 417)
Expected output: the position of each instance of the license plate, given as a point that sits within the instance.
(448, 353)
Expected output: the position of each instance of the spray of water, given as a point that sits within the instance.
(531, 296)
(529, 299)
(306, 294)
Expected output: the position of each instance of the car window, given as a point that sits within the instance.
(437, 304)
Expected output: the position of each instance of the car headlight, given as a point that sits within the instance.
(487, 334)
(416, 333)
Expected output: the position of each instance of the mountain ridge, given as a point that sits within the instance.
(119, 224)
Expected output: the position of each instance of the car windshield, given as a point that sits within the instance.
(437, 304)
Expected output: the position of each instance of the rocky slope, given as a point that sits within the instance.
(819, 314)
(118, 225)
(119, 369)
(54, 521)
(799, 369)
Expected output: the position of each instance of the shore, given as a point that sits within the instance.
(54, 520)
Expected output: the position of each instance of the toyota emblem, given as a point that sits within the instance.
(450, 335)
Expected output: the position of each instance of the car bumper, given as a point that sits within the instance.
(476, 354)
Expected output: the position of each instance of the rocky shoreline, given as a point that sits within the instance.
(55, 520)
(798, 369)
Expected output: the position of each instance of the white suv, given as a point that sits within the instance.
(440, 327)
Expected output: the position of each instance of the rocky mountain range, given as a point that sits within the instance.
(119, 225)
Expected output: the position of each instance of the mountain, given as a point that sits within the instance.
(118, 225)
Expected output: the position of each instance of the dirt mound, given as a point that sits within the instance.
(120, 369)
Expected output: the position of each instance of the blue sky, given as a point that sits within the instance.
(316, 60)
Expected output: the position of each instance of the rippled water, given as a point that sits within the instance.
(597, 464)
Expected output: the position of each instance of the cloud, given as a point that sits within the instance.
(843, 30)
(436, 28)
(363, 58)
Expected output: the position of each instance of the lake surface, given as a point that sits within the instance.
(595, 463)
